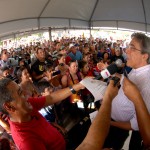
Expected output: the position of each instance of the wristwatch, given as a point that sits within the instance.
(72, 90)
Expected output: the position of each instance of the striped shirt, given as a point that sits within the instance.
(3, 63)
(54, 55)
(122, 108)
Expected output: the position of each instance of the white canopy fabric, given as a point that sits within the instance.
(23, 15)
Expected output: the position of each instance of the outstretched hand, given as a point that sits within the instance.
(102, 65)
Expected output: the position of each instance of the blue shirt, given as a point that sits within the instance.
(77, 56)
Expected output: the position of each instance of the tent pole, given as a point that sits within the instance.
(90, 33)
(50, 33)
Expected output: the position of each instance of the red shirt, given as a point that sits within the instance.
(68, 59)
(37, 134)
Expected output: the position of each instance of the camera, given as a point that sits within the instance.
(56, 73)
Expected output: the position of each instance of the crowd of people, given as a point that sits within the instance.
(40, 86)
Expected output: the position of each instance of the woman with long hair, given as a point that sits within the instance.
(25, 82)
(73, 76)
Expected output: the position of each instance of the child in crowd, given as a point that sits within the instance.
(53, 77)
(6, 72)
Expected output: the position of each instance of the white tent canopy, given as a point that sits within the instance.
(23, 15)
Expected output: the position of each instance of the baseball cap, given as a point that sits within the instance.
(71, 45)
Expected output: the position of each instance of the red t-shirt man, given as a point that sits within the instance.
(36, 134)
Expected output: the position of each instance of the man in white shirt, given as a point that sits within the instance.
(123, 110)
(4, 58)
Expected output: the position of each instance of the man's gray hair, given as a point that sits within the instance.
(5, 94)
(144, 43)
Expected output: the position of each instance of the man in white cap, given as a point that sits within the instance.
(74, 53)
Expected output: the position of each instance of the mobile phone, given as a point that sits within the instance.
(125, 73)
(56, 73)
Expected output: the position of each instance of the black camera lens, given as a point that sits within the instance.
(56, 73)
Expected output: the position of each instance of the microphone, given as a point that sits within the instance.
(110, 70)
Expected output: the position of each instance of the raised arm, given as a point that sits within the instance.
(100, 126)
(62, 94)
(143, 117)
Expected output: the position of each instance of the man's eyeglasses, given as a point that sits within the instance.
(132, 48)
